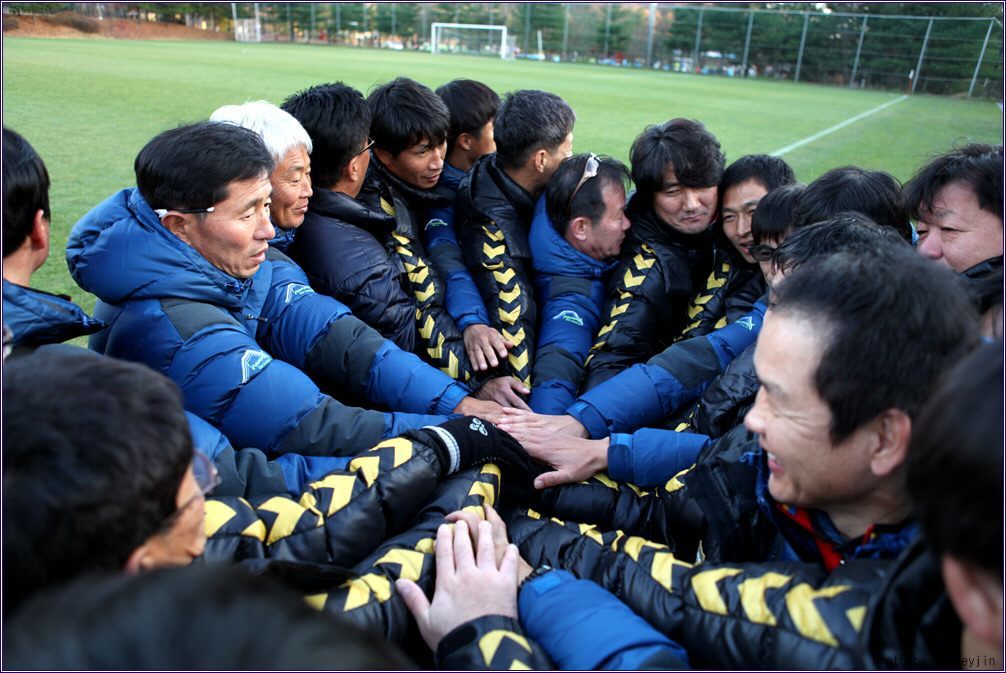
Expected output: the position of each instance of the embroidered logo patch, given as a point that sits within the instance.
(435, 222)
(569, 316)
(478, 427)
(747, 322)
(253, 362)
(296, 291)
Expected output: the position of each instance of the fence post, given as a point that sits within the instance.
(803, 41)
(981, 56)
(313, 31)
(607, 30)
(859, 48)
(698, 39)
(394, 27)
(747, 44)
(649, 38)
(258, 25)
(565, 29)
(234, 13)
(338, 18)
(922, 53)
(527, 28)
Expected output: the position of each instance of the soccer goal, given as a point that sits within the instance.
(469, 38)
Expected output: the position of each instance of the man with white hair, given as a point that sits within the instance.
(290, 147)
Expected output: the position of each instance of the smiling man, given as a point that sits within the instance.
(190, 286)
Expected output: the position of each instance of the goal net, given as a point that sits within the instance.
(470, 38)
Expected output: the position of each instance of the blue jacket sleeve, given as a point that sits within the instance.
(464, 302)
(320, 335)
(667, 382)
(651, 457)
(582, 626)
(569, 323)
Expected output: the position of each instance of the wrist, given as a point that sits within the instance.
(532, 575)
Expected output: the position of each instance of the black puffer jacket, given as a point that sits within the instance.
(494, 215)
(338, 247)
(659, 272)
(732, 288)
(438, 338)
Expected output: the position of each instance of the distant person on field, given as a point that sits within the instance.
(472, 106)
(493, 210)
(339, 245)
(34, 317)
(290, 148)
(189, 286)
(677, 167)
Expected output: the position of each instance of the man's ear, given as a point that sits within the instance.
(178, 224)
(39, 234)
(139, 560)
(352, 171)
(893, 428)
(977, 597)
(465, 141)
(539, 161)
(578, 228)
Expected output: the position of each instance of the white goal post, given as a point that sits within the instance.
(437, 35)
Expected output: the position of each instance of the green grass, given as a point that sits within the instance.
(89, 105)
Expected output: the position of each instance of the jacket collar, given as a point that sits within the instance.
(340, 206)
(36, 317)
(553, 254)
(648, 228)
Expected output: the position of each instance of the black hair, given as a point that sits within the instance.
(94, 452)
(978, 166)
(25, 189)
(589, 200)
(893, 323)
(956, 452)
(337, 118)
(682, 144)
(770, 172)
(850, 232)
(876, 194)
(471, 106)
(530, 120)
(773, 218)
(202, 617)
(404, 112)
(192, 166)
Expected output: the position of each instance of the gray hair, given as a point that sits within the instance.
(279, 130)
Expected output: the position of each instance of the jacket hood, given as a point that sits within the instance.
(339, 206)
(495, 194)
(37, 318)
(553, 254)
(120, 251)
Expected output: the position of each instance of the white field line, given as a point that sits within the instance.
(840, 125)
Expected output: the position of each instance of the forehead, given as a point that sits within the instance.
(788, 350)
(743, 193)
(241, 193)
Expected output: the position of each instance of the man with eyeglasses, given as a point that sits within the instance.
(576, 235)
(198, 294)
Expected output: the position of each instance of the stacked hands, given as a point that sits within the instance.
(517, 437)
(478, 572)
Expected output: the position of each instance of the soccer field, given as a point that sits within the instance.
(89, 105)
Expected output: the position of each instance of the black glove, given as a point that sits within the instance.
(467, 441)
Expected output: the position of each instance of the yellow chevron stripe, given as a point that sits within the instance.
(706, 591)
(604, 330)
(420, 274)
(662, 568)
(714, 283)
(426, 329)
(517, 360)
(511, 295)
(634, 545)
(752, 593)
(288, 513)
(631, 281)
(411, 562)
(369, 467)
(341, 486)
(493, 252)
(387, 207)
(675, 482)
(808, 621)
(255, 529)
(504, 277)
(722, 322)
(493, 234)
(487, 491)
(426, 545)
(856, 616)
(604, 479)
(361, 588)
(217, 516)
(509, 317)
(404, 240)
(453, 368)
(490, 643)
(423, 295)
(516, 338)
(590, 531)
(619, 309)
(643, 262)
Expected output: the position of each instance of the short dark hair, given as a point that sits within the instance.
(875, 194)
(192, 166)
(95, 450)
(201, 617)
(773, 218)
(956, 452)
(337, 118)
(978, 166)
(771, 172)
(530, 120)
(403, 112)
(25, 189)
(683, 144)
(850, 232)
(471, 106)
(588, 201)
(893, 322)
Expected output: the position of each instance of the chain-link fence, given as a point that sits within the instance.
(939, 48)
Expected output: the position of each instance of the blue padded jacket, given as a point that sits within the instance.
(37, 318)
